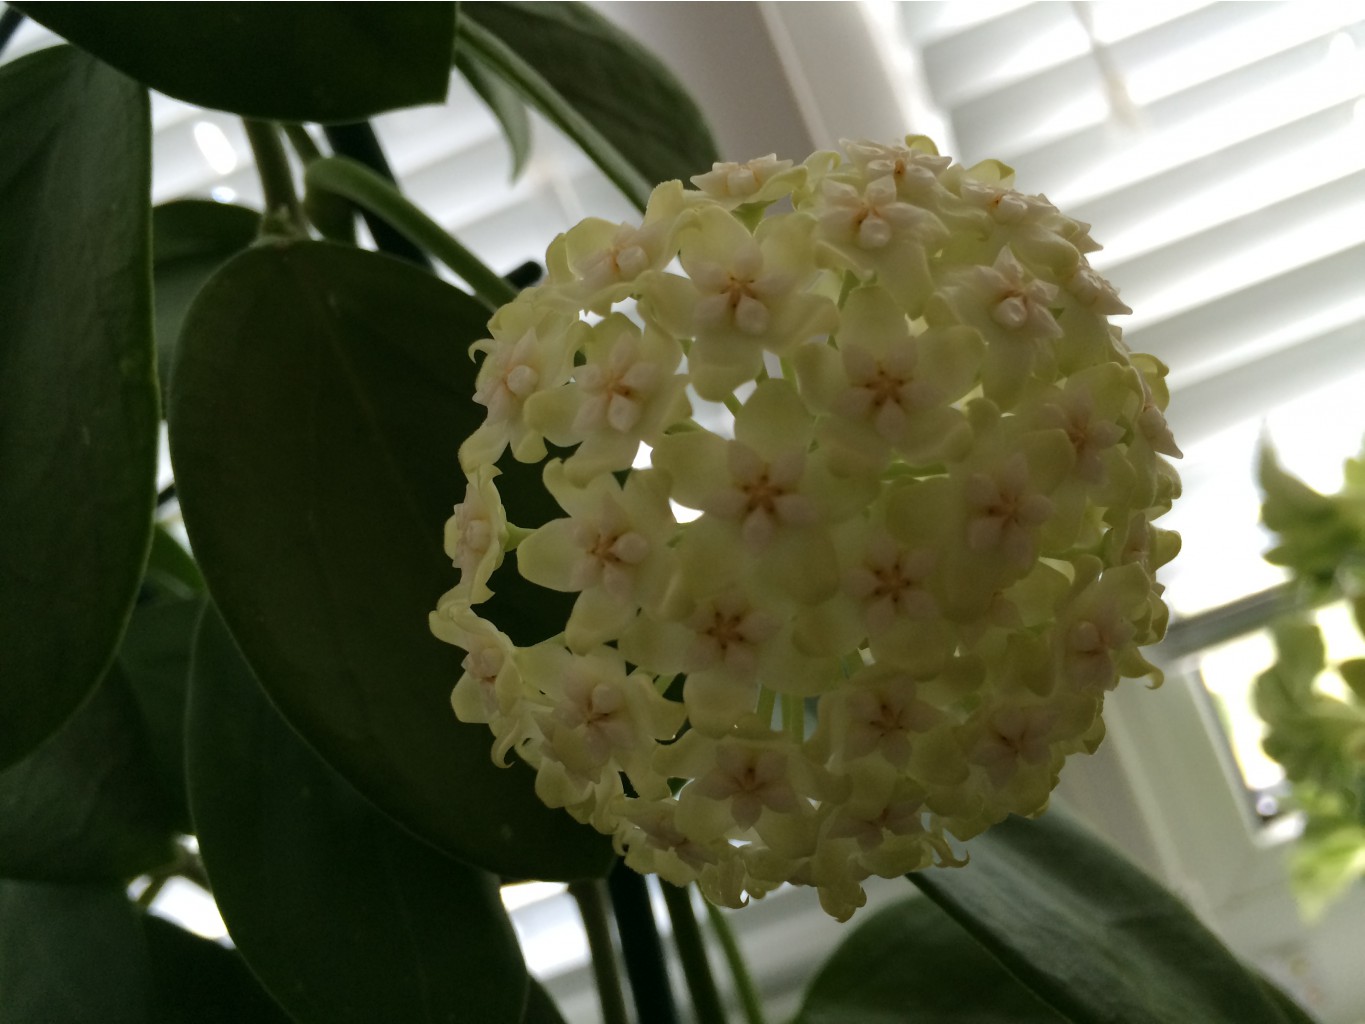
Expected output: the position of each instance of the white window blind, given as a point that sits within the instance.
(1219, 151)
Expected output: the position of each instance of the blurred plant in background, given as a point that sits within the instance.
(1314, 711)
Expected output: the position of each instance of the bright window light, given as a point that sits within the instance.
(1229, 673)
(524, 894)
(217, 149)
(190, 907)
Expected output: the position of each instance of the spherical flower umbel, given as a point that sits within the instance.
(855, 483)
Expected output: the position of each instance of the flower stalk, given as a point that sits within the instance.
(739, 971)
(641, 947)
(283, 215)
(592, 907)
(701, 984)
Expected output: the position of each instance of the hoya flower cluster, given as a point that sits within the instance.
(856, 484)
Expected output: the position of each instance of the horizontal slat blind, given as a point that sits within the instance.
(1219, 151)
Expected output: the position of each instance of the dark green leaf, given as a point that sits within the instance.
(171, 571)
(911, 962)
(540, 1008)
(72, 954)
(156, 657)
(87, 805)
(281, 62)
(505, 104)
(1090, 934)
(77, 387)
(341, 914)
(622, 89)
(191, 238)
(321, 394)
(196, 981)
(1293, 1013)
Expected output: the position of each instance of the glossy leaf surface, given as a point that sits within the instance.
(540, 1008)
(344, 916)
(1090, 934)
(70, 953)
(196, 981)
(78, 404)
(623, 90)
(321, 394)
(191, 238)
(911, 962)
(87, 805)
(171, 572)
(503, 102)
(155, 657)
(308, 62)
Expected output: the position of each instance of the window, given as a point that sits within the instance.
(1219, 149)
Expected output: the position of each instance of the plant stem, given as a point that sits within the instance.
(148, 895)
(592, 906)
(191, 865)
(525, 275)
(333, 216)
(641, 947)
(303, 143)
(744, 984)
(541, 94)
(282, 212)
(706, 1004)
(793, 717)
(370, 192)
(359, 142)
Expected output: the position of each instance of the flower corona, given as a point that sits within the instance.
(855, 485)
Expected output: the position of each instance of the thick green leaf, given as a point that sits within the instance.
(77, 388)
(341, 914)
(540, 1008)
(621, 88)
(191, 238)
(72, 954)
(321, 394)
(156, 658)
(87, 805)
(280, 62)
(911, 962)
(1090, 934)
(1292, 1012)
(171, 571)
(503, 101)
(196, 981)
